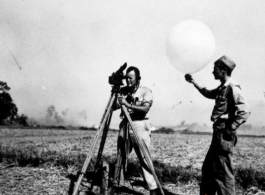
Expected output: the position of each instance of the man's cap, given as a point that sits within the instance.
(226, 61)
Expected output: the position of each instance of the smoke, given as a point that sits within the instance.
(66, 117)
(52, 117)
(82, 114)
(65, 112)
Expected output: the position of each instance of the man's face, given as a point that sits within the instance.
(218, 74)
(131, 79)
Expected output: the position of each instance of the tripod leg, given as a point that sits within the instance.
(105, 178)
(118, 164)
(102, 144)
(103, 140)
(124, 149)
(118, 167)
(87, 161)
(143, 149)
(128, 147)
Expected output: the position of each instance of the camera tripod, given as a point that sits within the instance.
(104, 127)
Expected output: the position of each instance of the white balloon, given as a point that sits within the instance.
(190, 46)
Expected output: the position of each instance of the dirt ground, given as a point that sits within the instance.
(183, 150)
(55, 181)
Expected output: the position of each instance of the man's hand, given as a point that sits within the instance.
(228, 134)
(122, 100)
(189, 78)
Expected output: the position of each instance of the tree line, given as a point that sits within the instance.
(8, 109)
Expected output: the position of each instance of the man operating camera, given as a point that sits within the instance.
(138, 101)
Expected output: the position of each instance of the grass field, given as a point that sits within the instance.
(43, 161)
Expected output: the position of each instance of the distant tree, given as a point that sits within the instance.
(22, 119)
(205, 125)
(8, 109)
(4, 87)
(32, 122)
(182, 123)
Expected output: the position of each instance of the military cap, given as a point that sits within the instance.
(226, 61)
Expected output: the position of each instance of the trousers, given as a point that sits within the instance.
(217, 169)
(142, 130)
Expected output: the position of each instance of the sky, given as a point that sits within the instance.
(68, 49)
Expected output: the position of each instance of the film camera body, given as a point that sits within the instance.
(117, 77)
(116, 80)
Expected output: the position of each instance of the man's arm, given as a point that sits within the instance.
(144, 107)
(242, 109)
(211, 94)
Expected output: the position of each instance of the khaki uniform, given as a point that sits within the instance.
(230, 111)
(142, 126)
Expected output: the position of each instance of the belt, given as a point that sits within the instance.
(220, 123)
(136, 119)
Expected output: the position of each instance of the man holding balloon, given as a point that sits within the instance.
(190, 46)
(229, 112)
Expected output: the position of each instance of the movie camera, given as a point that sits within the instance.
(117, 77)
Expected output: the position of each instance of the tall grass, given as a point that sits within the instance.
(33, 156)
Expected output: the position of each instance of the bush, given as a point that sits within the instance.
(165, 130)
(248, 177)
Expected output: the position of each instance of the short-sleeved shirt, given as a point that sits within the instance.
(141, 96)
(230, 101)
